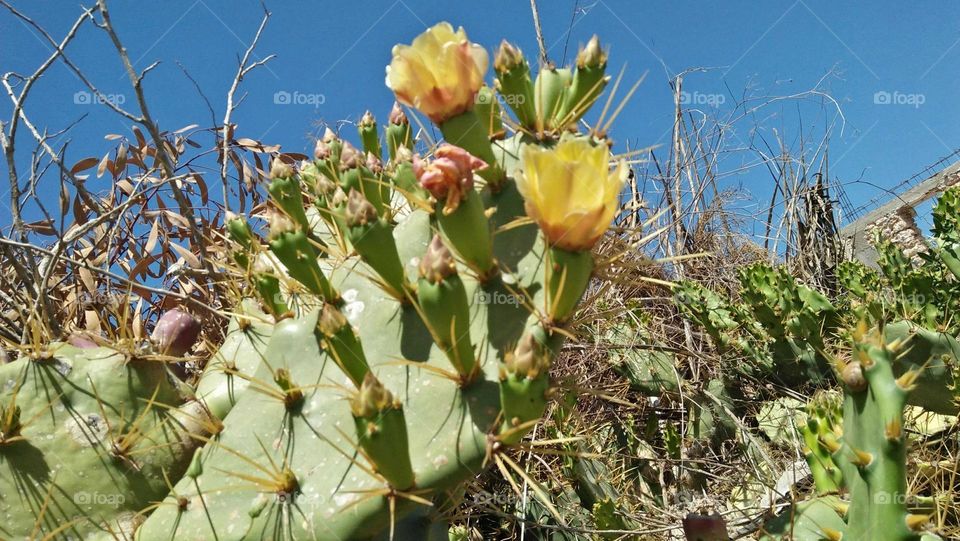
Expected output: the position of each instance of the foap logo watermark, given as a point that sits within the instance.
(491, 298)
(700, 98)
(82, 97)
(283, 97)
(511, 100)
(883, 498)
(501, 500)
(884, 97)
(102, 298)
(99, 498)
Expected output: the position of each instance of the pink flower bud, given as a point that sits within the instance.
(322, 150)
(397, 115)
(349, 156)
(449, 176)
(373, 163)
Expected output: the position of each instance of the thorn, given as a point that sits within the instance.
(894, 430)
(916, 522)
(831, 534)
(896, 345)
(830, 442)
(908, 379)
(861, 458)
(863, 356)
(860, 331)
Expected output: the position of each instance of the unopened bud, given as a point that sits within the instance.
(331, 320)
(280, 169)
(372, 398)
(359, 211)
(373, 163)
(404, 154)
(507, 57)
(852, 375)
(349, 156)
(397, 115)
(367, 119)
(592, 55)
(279, 223)
(437, 263)
(326, 186)
(329, 136)
(339, 198)
(322, 150)
(530, 358)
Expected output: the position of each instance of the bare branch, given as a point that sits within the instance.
(242, 71)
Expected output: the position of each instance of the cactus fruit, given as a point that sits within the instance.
(176, 332)
(705, 528)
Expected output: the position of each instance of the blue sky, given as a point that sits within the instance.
(891, 66)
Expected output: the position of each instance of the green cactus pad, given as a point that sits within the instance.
(63, 478)
(448, 426)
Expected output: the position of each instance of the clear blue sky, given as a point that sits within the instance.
(335, 53)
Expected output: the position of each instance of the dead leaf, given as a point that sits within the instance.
(152, 237)
(187, 255)
(83, 165)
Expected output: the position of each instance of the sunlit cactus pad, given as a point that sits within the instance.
(238, 494)
(95, 441)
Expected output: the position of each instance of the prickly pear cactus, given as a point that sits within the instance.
(870, 451)
(408, 311)
(90, 439)
(823, 421)
(780, 327)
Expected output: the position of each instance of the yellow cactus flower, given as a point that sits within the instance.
(439, 74)
(570, 191)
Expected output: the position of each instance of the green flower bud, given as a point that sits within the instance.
(515, 83)
(382, 432)
(592, 55)
(397, 116)
(372, 398)
(445, 309)
(322, 150)
(338, 339)
(524, 381)
(372, 238)
(350, 157)
(508, 57)
(399, 133)
(367, 120)
(369, 135)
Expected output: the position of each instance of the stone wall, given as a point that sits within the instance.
(900, 227)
